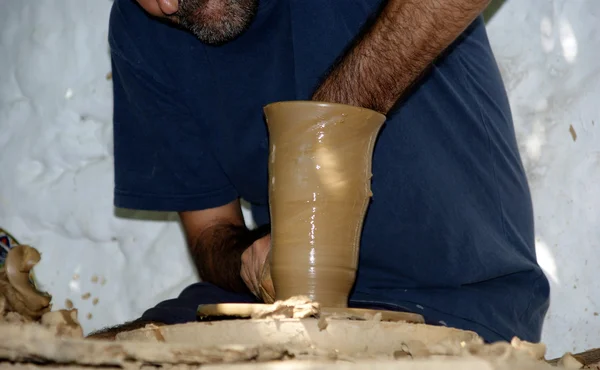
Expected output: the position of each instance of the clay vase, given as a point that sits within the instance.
(320, 186)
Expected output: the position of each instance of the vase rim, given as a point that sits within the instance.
(322, 104)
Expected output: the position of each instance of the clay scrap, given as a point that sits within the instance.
(21, 302)
(18, 294)
(299, 307)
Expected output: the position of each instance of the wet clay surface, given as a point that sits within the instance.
(320, 171)
(16, 290)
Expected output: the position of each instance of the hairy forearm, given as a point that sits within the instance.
(217, 253)
(390, 56)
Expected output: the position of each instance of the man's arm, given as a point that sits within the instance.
(217, 238)
(405, 39)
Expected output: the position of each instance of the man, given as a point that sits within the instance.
(449, 232)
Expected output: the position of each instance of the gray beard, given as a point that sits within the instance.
(229, 20)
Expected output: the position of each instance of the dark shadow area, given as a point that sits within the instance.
(144, 215)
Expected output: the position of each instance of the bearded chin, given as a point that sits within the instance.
(217, 27)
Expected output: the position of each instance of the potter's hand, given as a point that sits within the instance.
(256, 271)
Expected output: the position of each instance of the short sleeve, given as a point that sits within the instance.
(162, 156)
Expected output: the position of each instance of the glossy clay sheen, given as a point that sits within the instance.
(320, 185)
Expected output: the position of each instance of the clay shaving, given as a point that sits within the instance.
(298, 307)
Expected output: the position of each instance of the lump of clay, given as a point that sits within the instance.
(63, 323)
(18, 294)
(568, 361)
(21, 302)
(535, 350)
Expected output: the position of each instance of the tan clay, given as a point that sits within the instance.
(64, 323)
(536, 350)
(16, 288)
(569, 362)
(347, 338)
(320, 171)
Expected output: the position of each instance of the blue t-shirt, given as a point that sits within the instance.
(449, 232)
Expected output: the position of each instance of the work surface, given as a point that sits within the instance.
(272, 344)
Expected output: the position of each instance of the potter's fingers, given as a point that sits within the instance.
(254, 289)
(246, 277)
(266, 296)
(247, 256)
(267, 291)
(249, 280)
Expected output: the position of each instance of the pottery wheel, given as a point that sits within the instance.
(366, 313)
(247, 310)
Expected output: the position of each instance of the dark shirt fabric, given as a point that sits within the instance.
(449, 232)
